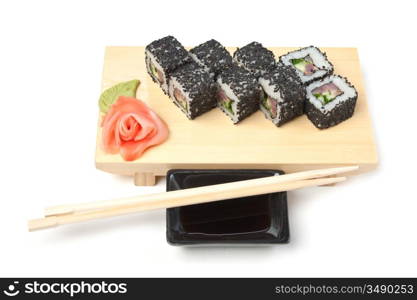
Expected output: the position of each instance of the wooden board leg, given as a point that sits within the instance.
(145, 179)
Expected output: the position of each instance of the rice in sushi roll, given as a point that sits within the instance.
(162, 57)
(193, 90)
(310, 63)
(239, 93)
(330, 101)
(212, 56)
(255, 58)
(284, 95)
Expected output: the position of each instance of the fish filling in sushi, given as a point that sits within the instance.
(327, 92)
(226, 102)
(181, 99)
(156, 71)
(157, 74)
(270, 104)
(304, 65)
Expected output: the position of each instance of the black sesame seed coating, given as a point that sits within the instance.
(285, 81)
(255, 58)
(213, 56)
(341, 112)
(329, 71)
(169, 53)
(199, 86)
(245, 87)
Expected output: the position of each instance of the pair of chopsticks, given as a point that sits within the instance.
(75, 213)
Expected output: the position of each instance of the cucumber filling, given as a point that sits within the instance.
(180, 98)
(157, 74)
(327, 92)
(226, 102)
(304, 65)
(270, 104)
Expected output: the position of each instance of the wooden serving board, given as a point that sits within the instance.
(212, 141)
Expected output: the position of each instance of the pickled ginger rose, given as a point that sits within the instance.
(130, 127)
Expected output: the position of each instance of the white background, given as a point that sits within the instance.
(51, 56)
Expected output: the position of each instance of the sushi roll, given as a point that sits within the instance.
(193, 90)
(162, 57)
(284, 95)
(330, 101)
(212, 56)
(255, 58)
(310, 63)
(239, 93)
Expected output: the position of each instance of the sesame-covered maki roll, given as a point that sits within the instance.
(193, 90)
(239, 93)
(212, 56)
(284, 95)
(255, 58)
(310, 63)
(162, 57)
(330, 101)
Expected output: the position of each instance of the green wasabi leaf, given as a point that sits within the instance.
(109, 96)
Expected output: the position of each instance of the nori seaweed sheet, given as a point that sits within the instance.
(169, 53)
(292, 91)
(341, 112)
(213, 56)
(200, 86)
(255, 58)
(246, 88)
(328, 73)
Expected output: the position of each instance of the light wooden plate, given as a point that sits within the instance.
(211, 141)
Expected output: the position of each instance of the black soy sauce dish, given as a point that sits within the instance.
(261, 219)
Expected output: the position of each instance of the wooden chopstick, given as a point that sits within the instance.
(172, 199)
(220, 191)
(66, 214)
